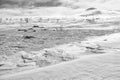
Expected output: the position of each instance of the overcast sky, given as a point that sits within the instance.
(26, 3)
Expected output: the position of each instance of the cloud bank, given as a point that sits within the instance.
(110, 4)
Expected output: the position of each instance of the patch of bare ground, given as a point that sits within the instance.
(12, 41)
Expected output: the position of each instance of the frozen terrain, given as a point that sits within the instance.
(98, 66)
(59, 40)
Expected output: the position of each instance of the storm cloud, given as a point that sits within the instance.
(29, 3)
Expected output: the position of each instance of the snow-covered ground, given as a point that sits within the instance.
(104, 66)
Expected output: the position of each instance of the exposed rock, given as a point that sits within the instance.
(7, 64)
(26, 55)
(91, 8)
(2, 63)
(42, 63)
(27, 60)
(105, 40)
(26, 64)
(35, 26)
(31, 30)
(29, 37)
(92, 47)
(24, 30)
(46, 57)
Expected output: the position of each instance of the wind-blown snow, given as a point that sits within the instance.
(92, 67)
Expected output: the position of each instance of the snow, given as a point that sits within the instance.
(90, 67)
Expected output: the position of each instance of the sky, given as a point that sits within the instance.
(110, 4)
(29, 3)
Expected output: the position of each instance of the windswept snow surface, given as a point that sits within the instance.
(91, 67)
(112, 40)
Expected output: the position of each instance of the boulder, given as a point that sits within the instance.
(25, 55)
(92, 47)
(89, 45)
